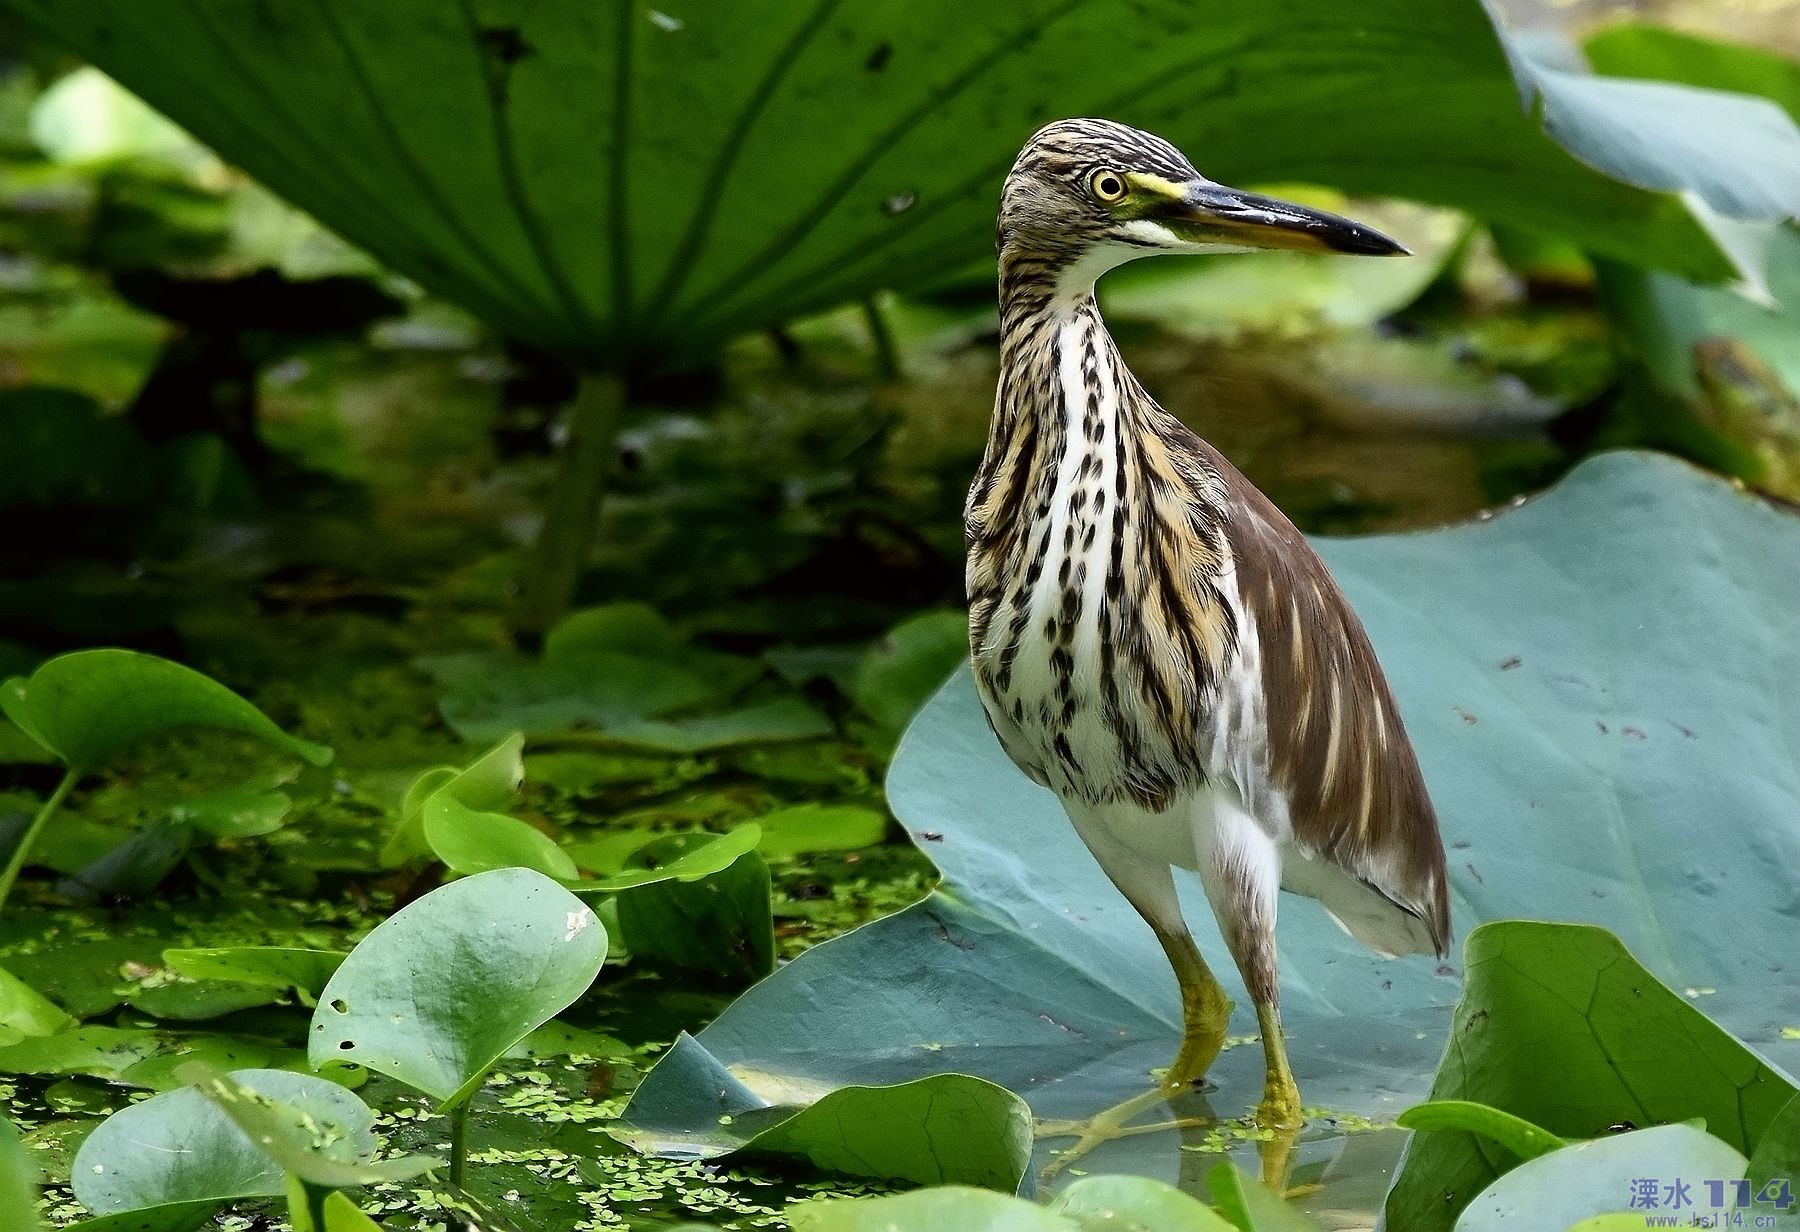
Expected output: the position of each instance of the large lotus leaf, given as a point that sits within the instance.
(617, 178)
(1601, 686)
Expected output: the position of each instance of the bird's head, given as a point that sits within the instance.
(1087, 195)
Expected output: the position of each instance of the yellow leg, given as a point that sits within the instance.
(1205, 1011)
(1280, 1108)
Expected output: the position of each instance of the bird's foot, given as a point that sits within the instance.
(1280, 1107)
(1115, 1123)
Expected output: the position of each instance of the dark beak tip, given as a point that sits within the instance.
(1375, 244)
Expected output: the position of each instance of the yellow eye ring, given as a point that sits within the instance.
(1108, 187)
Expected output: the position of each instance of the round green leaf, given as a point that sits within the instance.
(179, 1150)
(238, 813)
(906, 665)
(470, 841)
(320, 1153)
(26, 1011)
(820, 827)
(1135, 1204)
(170, 1217)
(488, 783)
(949, 1129)
(695, 857)
(1597, 1177)
(91, 704)
(440, 991)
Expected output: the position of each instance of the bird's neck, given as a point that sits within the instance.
(1069, 421)
(1061, 375)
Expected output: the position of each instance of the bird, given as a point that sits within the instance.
(1151, 638)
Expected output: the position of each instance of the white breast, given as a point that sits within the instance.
(1078, 549)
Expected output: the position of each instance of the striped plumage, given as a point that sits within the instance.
(1153, 640)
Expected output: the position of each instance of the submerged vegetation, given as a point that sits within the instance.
(384, 810)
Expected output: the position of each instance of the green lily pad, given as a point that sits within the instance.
(91, 704)
(265, 966)
(183, 1001)
(602, 669)
(949, 1129)
(441, 989)
(238, 813)
(949, 1208)
(24, 1011)
(1583, 676)
(697, 856)
(720, 920)
(693, 187)
(179, 1150)
(18, 1179)
(906, 665)
(130, 1055)
(333, 1153)
(820, 827)
(488, 783)
(470, 841)
(1593, 1178)
(1560, 1026)
(773, 722)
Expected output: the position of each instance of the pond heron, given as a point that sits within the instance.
(1153, 640)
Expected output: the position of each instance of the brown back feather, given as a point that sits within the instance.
(1337, 746)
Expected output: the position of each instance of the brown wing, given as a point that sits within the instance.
(1337, 747)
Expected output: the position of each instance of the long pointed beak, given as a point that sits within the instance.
(1213, 214)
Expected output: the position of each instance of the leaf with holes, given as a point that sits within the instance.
(442, 988)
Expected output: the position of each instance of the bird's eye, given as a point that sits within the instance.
(1108, 187)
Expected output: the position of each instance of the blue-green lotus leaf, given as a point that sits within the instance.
(1600, 683)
